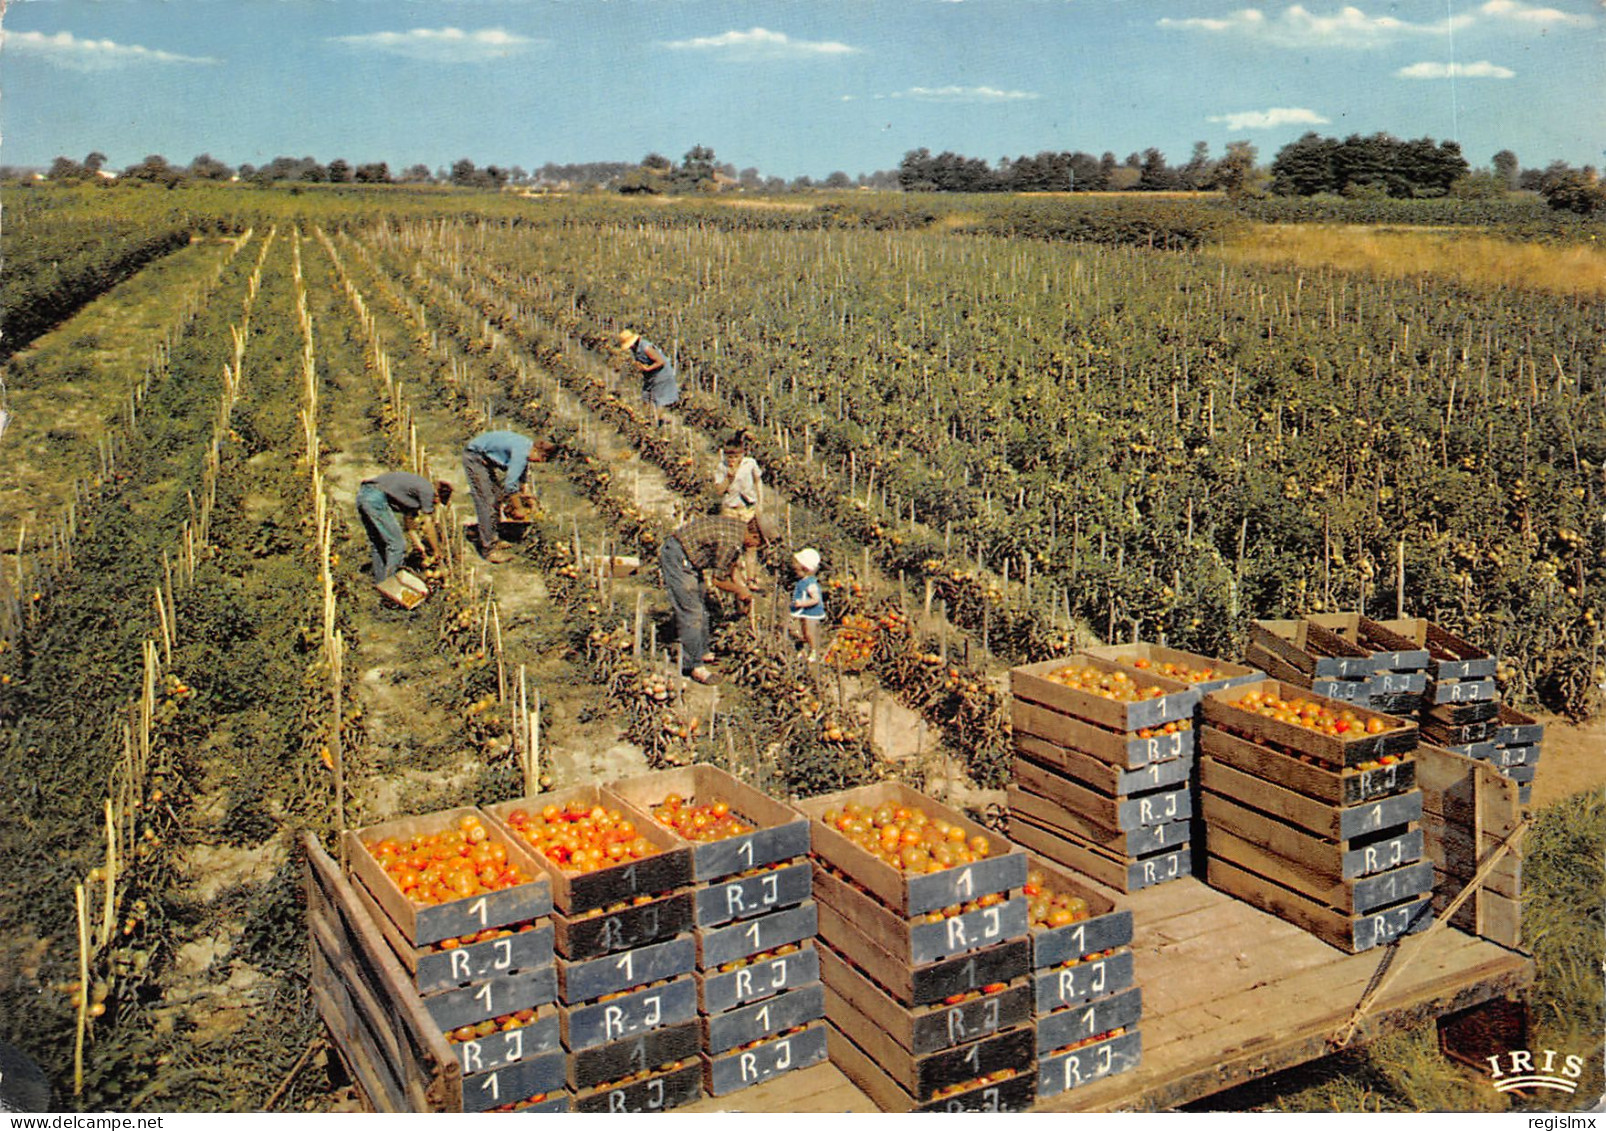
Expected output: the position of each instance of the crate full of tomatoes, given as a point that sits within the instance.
(924, 952)
(1311, 811)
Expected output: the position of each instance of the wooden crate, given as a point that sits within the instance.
(623, 926)
(640, 1011)
(615, 1060)
(770, 890)
(1144, 810)
(1056, 1074)
(920, 1029)
(1351, 933)
(393, 1047)
(1313, 650)
(1461, 714)
(917, 941)
(1065, 986)
(1444, 734)
(1359, 895)
(1345, 785)
(1335, 859)
(529, 947)
(422, 924)
(509, 1046)
(743, 1068)
(1469, 812)
(722, 1032)
(1390, 650)
(1225, 674)
(583, 980)
(1449, 656)
(1455, 692)
(1094, 859)
(1323, 818)
(1031, 683)
(662, 1091)
(1112, 780)
(1514, 728)
(758, 981)
(781, 832)
(1221, 710)
(1014, 1094)
(1106, 927)
(1002, 870)
(718, 946)
(922, 985)
(1145, 840)
(1114, 748)
(586, 891)
(1122, 1009)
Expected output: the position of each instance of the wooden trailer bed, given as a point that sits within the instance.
(1230, 993)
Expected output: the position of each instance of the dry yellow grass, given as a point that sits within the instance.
(1467, 258)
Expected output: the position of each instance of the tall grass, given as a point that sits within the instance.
(1472, 260)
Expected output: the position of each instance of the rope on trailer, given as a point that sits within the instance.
(1389, 967)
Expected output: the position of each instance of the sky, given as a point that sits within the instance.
(791, 87)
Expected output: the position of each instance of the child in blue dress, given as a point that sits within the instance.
(808, 604)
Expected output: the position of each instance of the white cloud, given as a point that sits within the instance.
(1483, 70)
(1528, 14)
(761, 43)
(965, 94)
(1299, 27)
(67, 50)
(443, 45)
(1270, 119)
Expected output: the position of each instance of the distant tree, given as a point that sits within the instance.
(416, 175)
(838, 180)
(774, 185)
(916, 172)
(205, 167)
(312, 172)
(516, 175)
(1507, 168)
(1087, 172)
(1200, 171)
(1579, 191)
(1304, 167)
(246, 172)
(803, 183)
(749, 178)
(372, 173)
(339, 171)
(696, 169)
(1235, 174)
(1480, 184)
(154, 170)
(463, 172)
(1107, 166)
(657, 162)
(1123, 178)
(66, 171)
(94, 162)
(1155, 175)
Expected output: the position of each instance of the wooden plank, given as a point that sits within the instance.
(1488, 914)
(366, 1064)
(1515, 728)
(1451, 850)
(745, 1068)
(1329, 821)
(919, 942)
(1066, 986)
(1157, 807)
(574, 892)
(1455, 692)
(646, 1009)
(754, 895)
(615, 1060)
(1121, 873)
(1087, 1065)
(1361, 895)
(1460, 714)
(922, 985)
(663, 1092)
(761, 1020)
(510, 1083)
(424, 924)
(1120, 1010)
(1002, 869)
(588, 979)
(1100, 775)
(645, 920)
(720, 945)
(1449, 656)
(1142, 841)
(730, 989)
(928, 1028)
(781, 832)
(1016, 1094)
(1115, 748)
(1351, 934)
(1346, 786)
(1031, 682)
(1334, 860)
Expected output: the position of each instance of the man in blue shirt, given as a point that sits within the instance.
(495, 463)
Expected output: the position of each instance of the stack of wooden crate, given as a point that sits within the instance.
(1314, 657)
(1400, 668)
(759, 993)
(1102, 785)
(927, 999)
(627, 999)
(1086, 1005)
(482, 966)
(1517, 738)
(1321, 829)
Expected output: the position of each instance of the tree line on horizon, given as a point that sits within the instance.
(1374, 166)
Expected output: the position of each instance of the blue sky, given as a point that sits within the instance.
(793, 87)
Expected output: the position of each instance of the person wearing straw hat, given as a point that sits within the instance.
(659, 386)
(718, 544)
(808, 604)
(393, 505)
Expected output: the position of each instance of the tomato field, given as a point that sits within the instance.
(1011, 429)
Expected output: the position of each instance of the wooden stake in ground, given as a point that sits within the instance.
(83, 991)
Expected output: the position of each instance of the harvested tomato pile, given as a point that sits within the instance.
(578, 837)
(1117, 685)
(908, 839)
(439, 867)
(854, 643)
(1052, 908)
(1173, 670)
(1314, 716)
(703, 823)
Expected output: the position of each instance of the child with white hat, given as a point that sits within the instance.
(808, 604)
